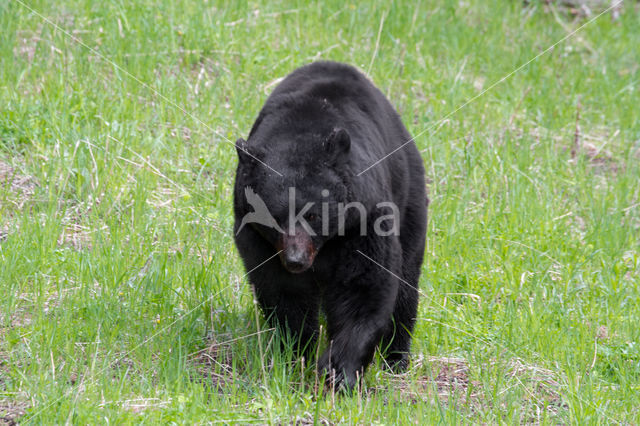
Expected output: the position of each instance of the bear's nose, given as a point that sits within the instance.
(295, 266)
(297, 252)
(295, 261)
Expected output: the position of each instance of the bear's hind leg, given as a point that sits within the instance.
(396, 343)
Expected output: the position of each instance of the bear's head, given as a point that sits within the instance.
(289, 187)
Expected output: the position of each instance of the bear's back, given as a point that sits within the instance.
(325, 89)
(333, 81)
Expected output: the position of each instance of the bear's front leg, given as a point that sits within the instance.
(294, 313)
(290, 302)
(358, 312)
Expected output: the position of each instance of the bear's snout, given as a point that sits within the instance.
(297, 251)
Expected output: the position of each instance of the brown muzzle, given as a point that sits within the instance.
(297, 252)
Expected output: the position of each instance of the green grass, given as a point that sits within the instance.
(123, 299)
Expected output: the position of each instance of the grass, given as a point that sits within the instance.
(123, 297)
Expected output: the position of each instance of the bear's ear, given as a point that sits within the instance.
(338, 144)
(245, 155)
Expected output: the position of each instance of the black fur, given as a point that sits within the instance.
(322, 125)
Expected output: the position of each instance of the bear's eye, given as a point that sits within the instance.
(311, 217)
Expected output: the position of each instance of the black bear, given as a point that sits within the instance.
(330, 181)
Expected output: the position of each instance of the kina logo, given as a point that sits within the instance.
(260, 213)
(387, 220)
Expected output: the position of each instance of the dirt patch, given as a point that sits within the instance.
(74, 233)
(26, 46)
(449, 379)
(583, 8)
(19, 318)
(4, 366)
(76, 236)
(17, 187)
(452, 378)
(11, 411)
(28, 306)
(600, 159)
(451, 382)
(21, 315)
(213, 365)
(539, 384)
(592, 144)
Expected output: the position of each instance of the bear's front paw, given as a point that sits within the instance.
(396, 362)
(338, 376)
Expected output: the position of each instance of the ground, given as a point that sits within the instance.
(123, 297)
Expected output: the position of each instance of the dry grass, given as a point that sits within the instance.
(585, 8)
(448, 379)
(16, 189)
(138, 405)
(451, 382)
(213, 365)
